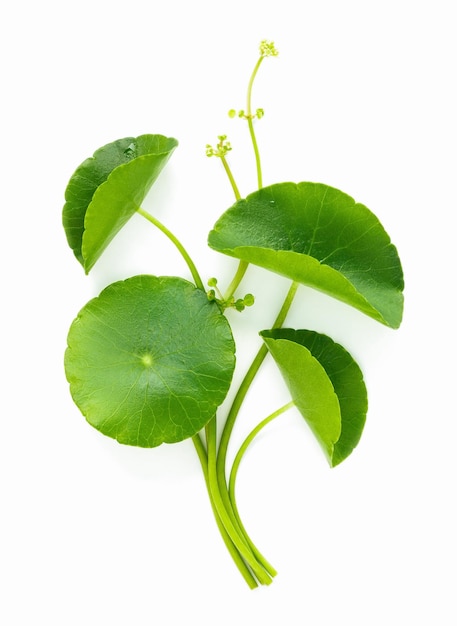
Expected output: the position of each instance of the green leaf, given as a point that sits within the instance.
(107, 189)
(326, 385)
(318, 236)
(149, 360)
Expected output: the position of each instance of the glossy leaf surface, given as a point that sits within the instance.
(108, 188)
(321, 237)
(326, 385)
(149, 360)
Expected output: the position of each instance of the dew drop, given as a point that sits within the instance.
(130, 150)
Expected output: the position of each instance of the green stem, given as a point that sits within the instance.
(241, 565)
(240, 272)
(190, 264)
(243, 265)
(251, 122)
(241, 394)
(228, 171)
(238, 540)
(234, 472)
(220, 464)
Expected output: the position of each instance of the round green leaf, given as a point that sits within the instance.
(108, 188)
(319, 371)
(321, 237)
(149, 360)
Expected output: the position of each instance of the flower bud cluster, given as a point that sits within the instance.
(214, 295)
(243, 115)
(221, 149)
(267, 49)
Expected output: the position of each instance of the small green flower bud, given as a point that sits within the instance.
(232, 113)
(267, 49)
(221, 149)
(212, 282)
(248, 299)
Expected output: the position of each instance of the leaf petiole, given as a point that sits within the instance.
(240, 272)
(231, 178)
(245, 445)
(234, 473)
(226, 518)
(244, 387)
(241, 565)
(190, 264)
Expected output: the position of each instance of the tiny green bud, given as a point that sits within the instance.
(221, 148)
(212, 282)
(239, 305)
(211, 295)
(248, 299)
(260, 113)
(267, 49)
(232, 113)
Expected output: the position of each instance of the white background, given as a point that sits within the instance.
(361, 97)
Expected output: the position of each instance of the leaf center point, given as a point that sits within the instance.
(147, 360)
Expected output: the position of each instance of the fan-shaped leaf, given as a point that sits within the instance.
(326, 385)
(318, 236)
(107, 189)
(149, 360)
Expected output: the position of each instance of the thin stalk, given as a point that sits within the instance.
(240, 272)
(243, 265)
(234, 472)
(241, 394)
(238, 540)
(223, 491)
(190, 264)
(228, 171)
(250, 120)
(241, 565)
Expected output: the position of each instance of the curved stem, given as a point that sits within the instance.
(240, 272)
(190, 264)
(234, 472)
(228, 171)
(238, 539)
(243, 265)
(251, 122)
(217, 473)
(234, 410)
(244, 446)
(232, 483)
(256, 153)
(241, 394)
(241, 565)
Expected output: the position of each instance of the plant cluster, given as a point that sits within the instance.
(151, 358)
